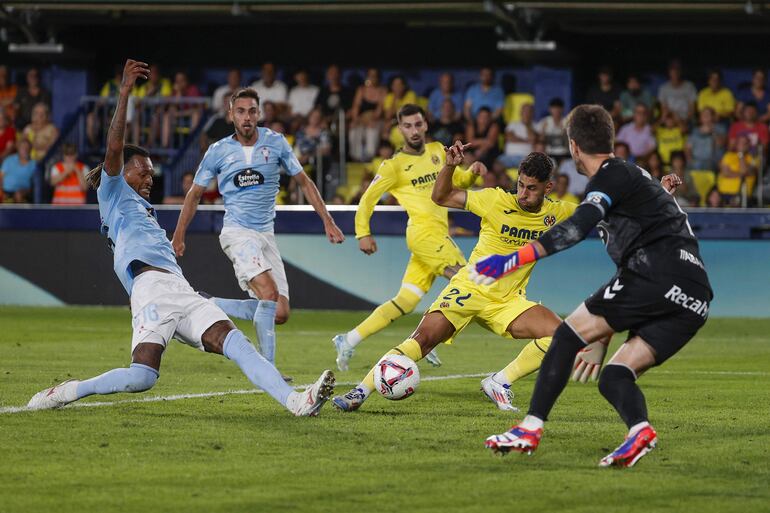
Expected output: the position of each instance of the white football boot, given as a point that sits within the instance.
(54, 397)
(433, 358)
(350, 401)
(309, 402)
(344, 351)
(499, 394)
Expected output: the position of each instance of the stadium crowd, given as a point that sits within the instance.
(715, 139)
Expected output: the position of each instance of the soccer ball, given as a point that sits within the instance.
(396, 377)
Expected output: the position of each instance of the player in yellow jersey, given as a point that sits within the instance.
(409, 176)
(509, 220)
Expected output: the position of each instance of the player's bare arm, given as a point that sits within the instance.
(191, 201)
(333, 233)
(116, 136)
(444, 193)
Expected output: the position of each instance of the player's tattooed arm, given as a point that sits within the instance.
(444, 193)
(116, 136)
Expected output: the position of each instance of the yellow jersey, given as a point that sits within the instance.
(410, 178)
(505, 227)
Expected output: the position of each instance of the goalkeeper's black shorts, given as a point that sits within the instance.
(665, 312)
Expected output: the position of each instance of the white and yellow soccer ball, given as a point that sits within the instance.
(396, 377)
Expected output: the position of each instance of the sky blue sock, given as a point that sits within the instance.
(136, 378)
(264, 324)
(259, 371)
(238, 308)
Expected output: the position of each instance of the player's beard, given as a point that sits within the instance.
(246, 133)
(417, 146)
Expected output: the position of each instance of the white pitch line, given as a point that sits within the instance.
(203, 395)
(177, 397)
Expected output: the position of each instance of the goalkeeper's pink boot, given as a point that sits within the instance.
(517, 439)
(631, 451)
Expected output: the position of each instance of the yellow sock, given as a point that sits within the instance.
(409, 347)
(528, 360)
(404, 303)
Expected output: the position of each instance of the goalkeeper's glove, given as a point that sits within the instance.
(487, 270)
(588, 362)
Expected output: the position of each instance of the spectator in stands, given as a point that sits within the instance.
(366, 181)
(302, 96)
(445, 91)
(7, 136)
(622, 151)
(553, 132)
(220, 100)
(187, 183)
(98, 119)
(268, 114)
(338, 199)
(156, 86)
(41, 132)
(384, 152)
(269, 88)
(27, 97)
(314, 141)
(218, 126)
(670, 135)
(519, 137)
(447, 128)
(756, 92)
(653, 164)
(334, 96)
(181, 115)
(366, 117)
(8, 93)
(68, 178)
(561, 190)
(714, 199)
(16, 174)
(484, 94)
(686, 194)
(737, 171)
(706, 143)
(399, 94)
(717, 97)
(633, 95)
(638, 133)
(483, 134)
(677, 95)
(577, 182)
(605, 93)
(750, 126)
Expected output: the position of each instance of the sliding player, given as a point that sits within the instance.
(660, 293)
(409, 176)
(163, 304)
(508, 220)
(247, 166)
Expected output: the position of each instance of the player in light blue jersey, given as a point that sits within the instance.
(163, 304)
(247, 167)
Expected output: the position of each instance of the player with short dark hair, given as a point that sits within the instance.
(163, 305)
(508, 219)
(247, 166)
(660, 293)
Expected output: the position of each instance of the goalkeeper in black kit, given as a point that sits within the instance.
(660, 292)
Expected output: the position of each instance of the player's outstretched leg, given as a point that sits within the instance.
(136, 378)
(345, 343)
(497, 387)
(264, 375)
(236, 308)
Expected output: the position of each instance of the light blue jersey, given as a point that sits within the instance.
(131, 226)
(248, 183)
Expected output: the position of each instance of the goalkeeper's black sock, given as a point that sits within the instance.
(555, 370)
(617, 384)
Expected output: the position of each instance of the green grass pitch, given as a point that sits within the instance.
(243, 452)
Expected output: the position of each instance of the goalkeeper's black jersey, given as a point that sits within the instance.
(643, 228)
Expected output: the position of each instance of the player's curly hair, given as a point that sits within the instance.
(592, 129)
(537, 165)
(94, 177)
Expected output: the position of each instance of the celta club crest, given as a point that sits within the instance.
(266, 154)
(436, 161)
(549, 220)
